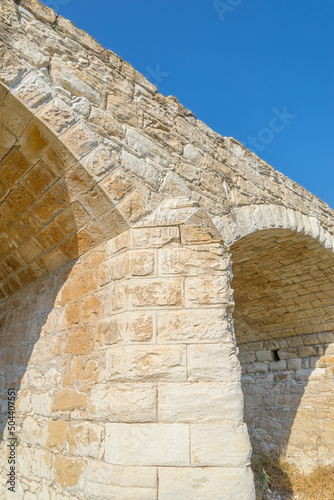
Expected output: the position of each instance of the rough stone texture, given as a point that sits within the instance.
(283, 289)
(117, 211)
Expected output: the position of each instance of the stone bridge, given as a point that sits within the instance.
(137, 357)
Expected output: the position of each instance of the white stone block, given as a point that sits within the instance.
(213, 483)
(200, 402)
(124, 402)
(213, 363)
(104, 482)
(41, 404)
(222, 444)
(147, 444)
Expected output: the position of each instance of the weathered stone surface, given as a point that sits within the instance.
(193, 260)
(147, 363)
(203, 483)
(68, 471)
(154, 237)
(141, 169)
(104, 481)
(222, 444)
(124, 402)
(212, 362)
(167, 292)
(80, 140)
(85, 440)
(151, 444)
(142, 263)
(200, 402)
(53, 434)
(57, 115)
(142, 144)
(192, 326)
(140, 327)
(207, 291)
(136, 331)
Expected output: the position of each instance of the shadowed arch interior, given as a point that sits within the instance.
(51, 213)
(284, 320)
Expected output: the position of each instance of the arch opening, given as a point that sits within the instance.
(52, 212)
(284, 323)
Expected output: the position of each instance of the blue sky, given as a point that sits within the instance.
(257, 70)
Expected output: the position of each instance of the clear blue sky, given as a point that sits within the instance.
(237, 64)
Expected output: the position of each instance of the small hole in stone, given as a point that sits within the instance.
(276, 355)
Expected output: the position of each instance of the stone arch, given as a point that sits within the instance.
(52, 213)
(248, 219)
(283, 267)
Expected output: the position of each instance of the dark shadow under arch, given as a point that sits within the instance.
(284, 323)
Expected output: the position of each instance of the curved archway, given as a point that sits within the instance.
(249, 219)
(284, 324)
(52, 212)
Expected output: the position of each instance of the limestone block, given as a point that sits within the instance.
(265, 356)
(42, 464)
(104, 482)
(258, 367)
(118, 185)
(200, 402)
(57, 115)
(85, 440)
(74, 80)
(39, 10)
(164, 292)
(142, 263)
(154, 236)
(80, 139)
(33, 91)
(123, 111)
(213, 290)
(144, 145)
(68, 399)
(214, 483)
(147, 363)
(41, 404)
(147, 444)
(193, 154)
(53, 434)
(193, 260)
(213, 363)
(30, 431)
(105, 123)
(110, 331)
(11, 68)
(173, 185)
(192, 326)
(79, 341)
(135, 402)
(294, 364)
(68, 471)
(119, 297)
(140, 168)
(140, 327)
(134, 206)
(306, 351)
(114, 269)
(223, 444)
(247, 357)
(120, 242)
(13, 117)
(100, 162)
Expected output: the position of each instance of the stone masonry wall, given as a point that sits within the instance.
(289, 401)
(153, 145)
(284, 323)
(116, 306)
(129, 383)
